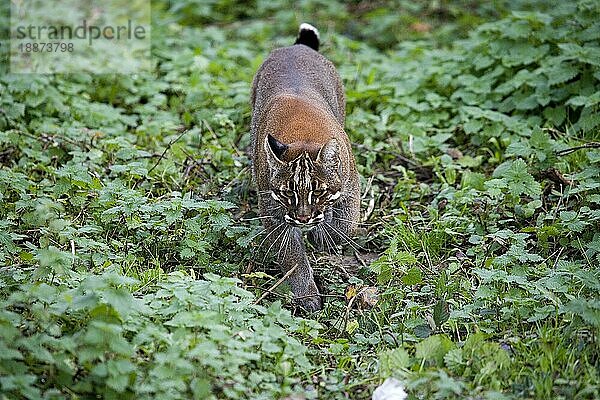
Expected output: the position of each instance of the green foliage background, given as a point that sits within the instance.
(130, 258)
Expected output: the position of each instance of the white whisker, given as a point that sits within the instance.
(285, 241)
(350, 221)
(274, 242)
(270, 233)
(328, 240)
(256, 218)
(355, 246)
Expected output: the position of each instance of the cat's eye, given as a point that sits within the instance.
(318, 192)
(287, 193)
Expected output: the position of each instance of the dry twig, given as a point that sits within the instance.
(591, 145)
(276, 285)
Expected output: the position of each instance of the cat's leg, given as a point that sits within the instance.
(301, 280)
(286, 242)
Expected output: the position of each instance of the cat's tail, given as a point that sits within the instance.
(308, 35)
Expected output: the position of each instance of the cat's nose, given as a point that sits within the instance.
(303, 218)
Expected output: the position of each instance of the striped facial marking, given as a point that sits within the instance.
(304, 196)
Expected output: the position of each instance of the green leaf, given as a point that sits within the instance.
(391, 361)
(412, 277)
(556, 115)
(518, 178)
(561, 72)
(53, 260)
(434, 348)
(588, 310)
(586, 101)
(422, 331)
(441, 313)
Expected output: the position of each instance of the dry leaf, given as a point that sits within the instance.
(420, 27)
(365, 296)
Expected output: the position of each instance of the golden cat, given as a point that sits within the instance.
(302, 158)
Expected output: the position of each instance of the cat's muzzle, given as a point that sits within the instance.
(304, 222)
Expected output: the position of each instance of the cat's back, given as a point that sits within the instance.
(300, 71)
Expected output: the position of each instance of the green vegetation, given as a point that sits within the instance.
(130, 264)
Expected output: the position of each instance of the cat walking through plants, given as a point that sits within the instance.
(302, 159)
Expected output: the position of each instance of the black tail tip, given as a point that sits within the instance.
(308, 35)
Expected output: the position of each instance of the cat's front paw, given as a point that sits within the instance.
(306, 293)
(309, 304)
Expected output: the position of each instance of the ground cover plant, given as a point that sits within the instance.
(131, 261)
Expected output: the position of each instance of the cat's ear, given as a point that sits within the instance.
(274, 149)
(329, 155)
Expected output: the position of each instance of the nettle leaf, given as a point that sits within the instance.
(525, 101)
(22, 383)
(560, 72)
(571, 220)
(121, 300)
(519, 148)
(556, 115)
(533, 18)
(54, 260)
(120, 373)
(588, 310)
(391, 361)
(523, 54)
(518, 179)
(473, 126)
(540, 139)
(441, 313)
(220, 221)
(588, 121)
(487, 358)
(516, 30)
(542, 313)
(434, 348)
(15, 110)
(490, 275)
(586, 101)
(518, 251)
(187, 253)
(587, 54)
(593, 247)
(422, 331)
(207, 319)
(412, 277)
(589, 279)
(496, 187)
(393, 260)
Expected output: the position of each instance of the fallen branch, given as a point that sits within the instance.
(591, 145)
(555, 176)
(171, 143)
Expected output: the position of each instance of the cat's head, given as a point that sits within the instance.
(305, 179)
